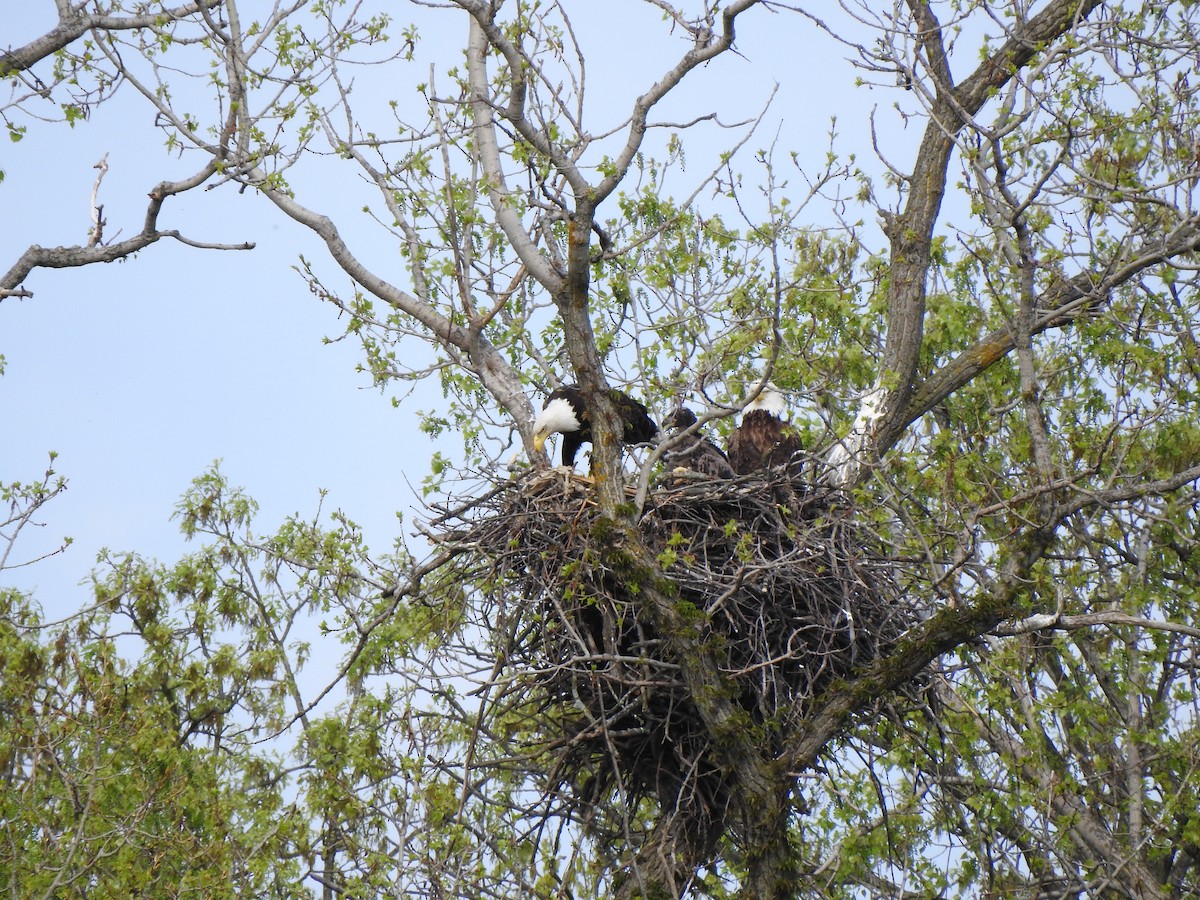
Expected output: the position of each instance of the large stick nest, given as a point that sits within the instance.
(787, 586)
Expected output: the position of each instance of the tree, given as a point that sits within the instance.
(1003, 381)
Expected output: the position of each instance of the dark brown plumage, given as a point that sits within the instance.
(763, 440)
(695, 452)
(566, 412)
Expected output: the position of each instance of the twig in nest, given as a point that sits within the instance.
(795, 591)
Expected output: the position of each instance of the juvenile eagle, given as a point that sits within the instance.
(695, 451)
(566, 412)
(763, 439)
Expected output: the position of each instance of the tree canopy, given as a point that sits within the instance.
(983, 318)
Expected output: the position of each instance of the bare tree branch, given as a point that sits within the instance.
(70, 257)
(74, 22)
(477, 353)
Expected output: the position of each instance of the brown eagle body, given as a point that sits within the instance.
(566, 412)
(695, 452)
(763, 440)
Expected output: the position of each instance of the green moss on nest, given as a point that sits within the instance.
(775, 580)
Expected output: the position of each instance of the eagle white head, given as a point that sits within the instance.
(558, 416)
(566, 412)
(769, 400)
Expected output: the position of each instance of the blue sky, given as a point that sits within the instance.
(141, 373)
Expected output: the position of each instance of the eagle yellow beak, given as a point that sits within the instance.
(539, 441)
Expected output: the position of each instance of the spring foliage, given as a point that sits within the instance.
(984, 315)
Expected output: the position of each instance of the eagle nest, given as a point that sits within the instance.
(787, 585)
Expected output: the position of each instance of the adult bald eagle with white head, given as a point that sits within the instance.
(764, 439)
(567, 413)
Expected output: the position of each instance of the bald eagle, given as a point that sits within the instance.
(763, 440)
(566, 412)
(695, 451)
